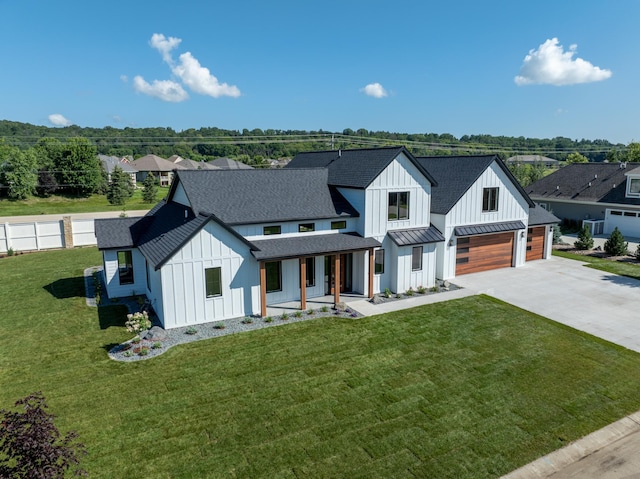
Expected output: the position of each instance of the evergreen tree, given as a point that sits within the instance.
(557, 233)
(120, 189)
(616, 245)
(585, 240)
(150, 189)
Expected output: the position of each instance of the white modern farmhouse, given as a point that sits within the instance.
(228, 243)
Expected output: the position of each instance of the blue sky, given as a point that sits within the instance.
(534, 69)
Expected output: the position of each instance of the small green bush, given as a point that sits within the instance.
(191, 330)
(128, 354)
(585, 240)
(156, 345)
(297, 314)
(143, 351)
(421, 290)
(410, 292)
(324, 309)
(219, 326)
(268, 319)
(284, 316)
(247, 320)
(310, 312)
(387, 293)
(616, 245)
(136, 340)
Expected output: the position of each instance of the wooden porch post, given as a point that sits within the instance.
(303, 283)
(336, 281)
(371, 271)
(263, 289)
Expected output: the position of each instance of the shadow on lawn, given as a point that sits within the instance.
(115, 316)
(66, 288)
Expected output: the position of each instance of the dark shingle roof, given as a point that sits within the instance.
(115, 232)
(456, 174)
(539, 216)
(263, 195)
(588, 182)
(416, 236)
(312, 245)
(486, 228)
(354, 168)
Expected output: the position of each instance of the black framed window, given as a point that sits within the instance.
(338, 225)
(378, 261)
(310, 272)
(306, 227)
(489, 199)
(125, 267)
(274, 276)
(213, 281)
(398, 206)
(271, 230)
(416, 258)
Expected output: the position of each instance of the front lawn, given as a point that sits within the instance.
(68, 204)
(466, 388)
(631, 270)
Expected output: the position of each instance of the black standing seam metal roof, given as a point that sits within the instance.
(263, 195)
(586, 182)
(355, 168)
(456, 174)
(311, 245)
(488, 228)
(416, 236)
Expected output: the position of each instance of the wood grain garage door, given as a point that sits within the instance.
(535, 243)
(484, 252)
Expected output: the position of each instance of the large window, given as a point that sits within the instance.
(125, 267)
(311, 271)
(398, 206)
(634, 187)
(271, 230)
(213, 281)
(274, 276)
(378, 261)
(489, 199)
(416, 258)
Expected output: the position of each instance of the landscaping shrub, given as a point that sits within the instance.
(616, 245)
(585, 240)
(557, 233)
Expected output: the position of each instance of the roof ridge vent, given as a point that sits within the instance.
(340, 153)
(595, 177)
(589, 184)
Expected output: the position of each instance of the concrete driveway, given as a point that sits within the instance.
(600, 303)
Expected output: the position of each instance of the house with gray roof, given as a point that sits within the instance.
(229, 164)
(602, 195)
(160, 168)
(109, 163)
(229, 243)
(533, 160)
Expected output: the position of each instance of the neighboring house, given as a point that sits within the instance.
(604, 195)
(162, 169)
(533, 159)
(188, 164)
(109, 163)
(229, 164)
(229, 243)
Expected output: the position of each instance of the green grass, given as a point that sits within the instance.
(466, 388)
(630, 270)
(66, 204)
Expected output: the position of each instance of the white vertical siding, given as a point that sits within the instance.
(512, 206)
(112, 280)
(400, 175)
(413, 279)
(184, 300)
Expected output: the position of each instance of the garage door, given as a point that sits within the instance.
(484, 252)
(535, 243)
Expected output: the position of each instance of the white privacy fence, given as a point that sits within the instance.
(34, 233)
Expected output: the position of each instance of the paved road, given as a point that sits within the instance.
(600, 303)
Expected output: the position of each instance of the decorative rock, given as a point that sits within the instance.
(446, 284)
(341, 306)
(377, 299)
(156, 332)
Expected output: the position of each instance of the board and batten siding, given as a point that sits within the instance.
(291, 282)
(512, 206)
(112, 279)
(400, 175)
(184, 298)
(289, 229)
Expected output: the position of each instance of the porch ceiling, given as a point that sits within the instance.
(311, 245)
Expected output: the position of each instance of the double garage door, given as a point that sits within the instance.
(493, 251)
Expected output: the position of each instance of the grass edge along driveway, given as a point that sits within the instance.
(466, 388)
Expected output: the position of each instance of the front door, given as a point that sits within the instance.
(346, 273)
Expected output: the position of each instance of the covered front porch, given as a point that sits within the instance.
(302, 270)
(316, 304)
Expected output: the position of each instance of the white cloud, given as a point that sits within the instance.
(200, 80)
(165, 90)
(551, 65)
(375, 90)
(188, 70)
(57, 119)
(164, 45)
